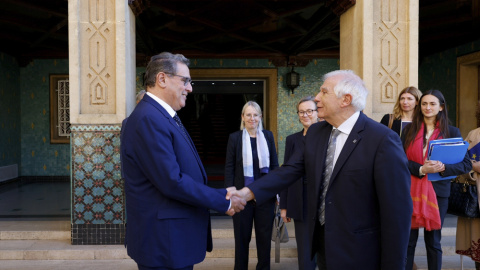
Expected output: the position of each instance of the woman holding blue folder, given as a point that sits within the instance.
(430, 199)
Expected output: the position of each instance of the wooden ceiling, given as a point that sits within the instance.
(280, 30)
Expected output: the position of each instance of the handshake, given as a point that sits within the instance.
(238, 199)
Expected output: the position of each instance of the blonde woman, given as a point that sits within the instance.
(251, 154)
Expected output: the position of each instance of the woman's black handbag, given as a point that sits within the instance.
(463, 199)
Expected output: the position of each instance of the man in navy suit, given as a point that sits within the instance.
(167, 197)
(365, 221)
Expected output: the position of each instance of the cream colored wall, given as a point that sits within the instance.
(102, 61)
(379, 41)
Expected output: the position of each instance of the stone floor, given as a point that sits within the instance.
(43, 207)
(39, 200)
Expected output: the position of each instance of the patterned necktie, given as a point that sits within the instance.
(179, 123)
(328, 171)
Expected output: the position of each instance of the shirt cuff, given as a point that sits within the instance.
(420, 173)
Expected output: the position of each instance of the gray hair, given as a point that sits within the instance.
(259, 111)
(350, 83)
(163, 62)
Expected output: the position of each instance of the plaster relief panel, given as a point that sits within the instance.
(389, 90)
(97, 12)
(97, 59)
(389, 51)
(389, 9)
(98, 91)
(97, 39)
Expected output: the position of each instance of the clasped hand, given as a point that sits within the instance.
(433, 166)
(238, 199)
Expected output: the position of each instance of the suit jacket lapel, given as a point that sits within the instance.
(184, 135)
(352, 141)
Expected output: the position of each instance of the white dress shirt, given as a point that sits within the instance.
(345, 128)
(162, 103)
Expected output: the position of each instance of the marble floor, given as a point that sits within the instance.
(35, 200)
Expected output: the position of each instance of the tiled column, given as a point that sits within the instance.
(379, 41)
(102, 89)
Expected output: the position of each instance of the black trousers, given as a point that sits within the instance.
(321, 259)
(432, 241)
(262, 215)
(304, 241)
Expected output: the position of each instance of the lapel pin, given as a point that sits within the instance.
(355, 141)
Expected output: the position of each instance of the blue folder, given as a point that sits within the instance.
(448, 151)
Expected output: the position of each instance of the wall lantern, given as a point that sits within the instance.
(292, 80)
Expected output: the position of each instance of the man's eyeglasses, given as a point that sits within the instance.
(185, 80)
(308, 112)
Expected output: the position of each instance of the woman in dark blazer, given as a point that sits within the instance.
(403, 110)
(251, 153)
(430, 198)
(293, 201)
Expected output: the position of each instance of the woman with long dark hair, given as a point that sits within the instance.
(430, 198)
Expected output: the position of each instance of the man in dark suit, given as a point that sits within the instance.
(138, 97)
(167, 199)
(360, 206)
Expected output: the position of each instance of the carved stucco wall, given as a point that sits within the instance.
(98, 44)
(380, 43)
(102, 75)
(102, 57)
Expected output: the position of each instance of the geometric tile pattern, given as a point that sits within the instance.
(96, 128)
(310, 82)
(38, 156)
(98, 234)
(97, 186)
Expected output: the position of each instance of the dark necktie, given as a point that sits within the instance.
(328, 171)
(179, 123)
